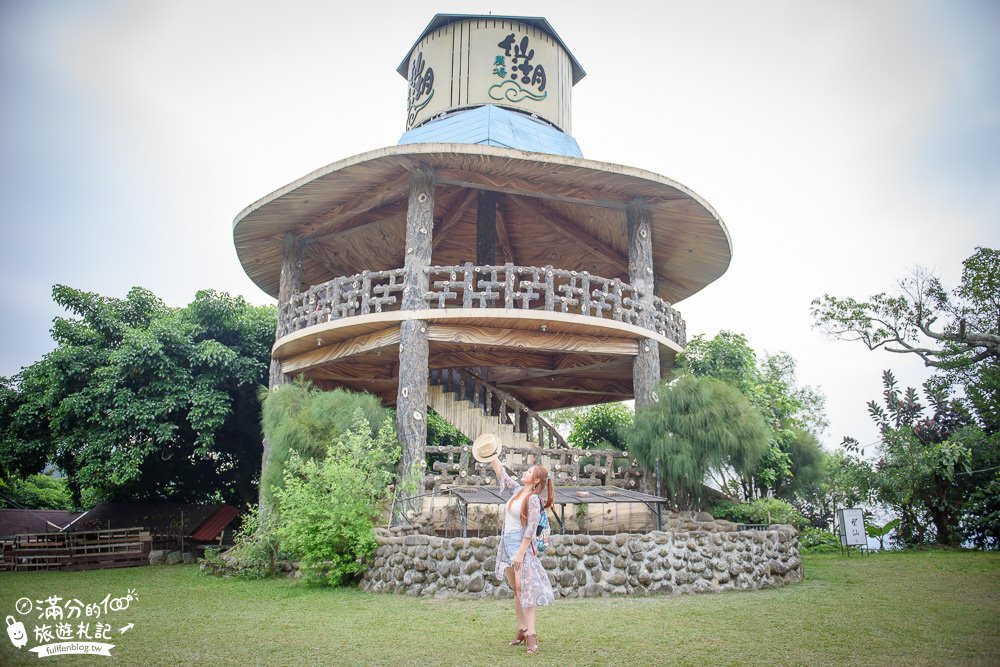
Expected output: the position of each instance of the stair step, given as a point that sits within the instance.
(472, 421)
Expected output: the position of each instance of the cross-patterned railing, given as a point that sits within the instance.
(361, 294)
(470, 286)
(568, 466)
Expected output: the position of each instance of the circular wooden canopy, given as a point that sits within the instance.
(551, 210)
(544, 359)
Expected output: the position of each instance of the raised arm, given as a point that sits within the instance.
(505, 480)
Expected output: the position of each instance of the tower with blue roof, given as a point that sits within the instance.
(482, 267)
(466, 87)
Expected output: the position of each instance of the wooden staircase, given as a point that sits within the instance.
(474, 406)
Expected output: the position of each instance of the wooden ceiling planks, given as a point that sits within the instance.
(344, 349)
(342, 217)
(378, 365)
(461, 208)
(574, 385)
(530, 340)
(565, 364)
(603, 226)
(691, 245)
(443, 356)
(528, 321)
(541, 378)
(575, 247)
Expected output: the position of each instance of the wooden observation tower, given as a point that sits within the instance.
(482, 266)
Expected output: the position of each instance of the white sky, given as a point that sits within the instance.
(842, 143)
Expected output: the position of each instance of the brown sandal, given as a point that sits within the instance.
(519, 637)
(532, 643)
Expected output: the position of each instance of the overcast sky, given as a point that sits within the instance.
(842, 143)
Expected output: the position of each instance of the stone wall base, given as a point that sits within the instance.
(668, 563)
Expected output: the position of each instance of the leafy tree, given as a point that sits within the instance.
(601, 427)
(806, 465)
(564, 417)
(981, 520)
(698, 427)
(727, 357)
(843, 481)
(140, 401)
(299, 418)
(793, 414)
(40, 492)
(930, 461)
(957, 331)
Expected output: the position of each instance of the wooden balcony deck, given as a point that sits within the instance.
(537, 326)
(542, 331)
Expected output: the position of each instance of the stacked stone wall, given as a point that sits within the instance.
(697, 561)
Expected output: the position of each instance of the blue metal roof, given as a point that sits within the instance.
(494, 126)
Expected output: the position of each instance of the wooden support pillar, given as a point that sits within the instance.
(292, 250)
(646, 366)
(486, 228)
(411, 396)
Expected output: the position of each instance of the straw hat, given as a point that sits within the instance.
(486, 448)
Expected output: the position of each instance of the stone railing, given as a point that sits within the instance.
(569, 466)
(469, 286)
(664, 563)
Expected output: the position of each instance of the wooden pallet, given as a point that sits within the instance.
(79, 550)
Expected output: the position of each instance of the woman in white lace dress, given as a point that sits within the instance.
(517, 561)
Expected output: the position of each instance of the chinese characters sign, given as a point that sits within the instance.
(527, 80)
(851, 525)
(421, 88)
(499, 62)
(66, 626)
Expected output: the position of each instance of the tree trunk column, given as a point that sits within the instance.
(486, 228)
(646, 367)
(411, 396)
(290, 282)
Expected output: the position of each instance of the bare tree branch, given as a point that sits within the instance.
(967, 319)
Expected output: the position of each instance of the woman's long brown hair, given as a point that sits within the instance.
(539, 478)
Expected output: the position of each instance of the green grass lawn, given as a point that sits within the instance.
(936, 608)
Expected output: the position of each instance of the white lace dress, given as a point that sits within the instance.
(536, 591)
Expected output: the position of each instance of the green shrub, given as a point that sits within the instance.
(440, 433)
(299, 417)
(817, 541)
(328, 506)
(39, 492)
(255, 549)
(762, 510)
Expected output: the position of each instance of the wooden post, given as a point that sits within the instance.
(290, 282)
(646, 367)
(486, 228)
(411, 395)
